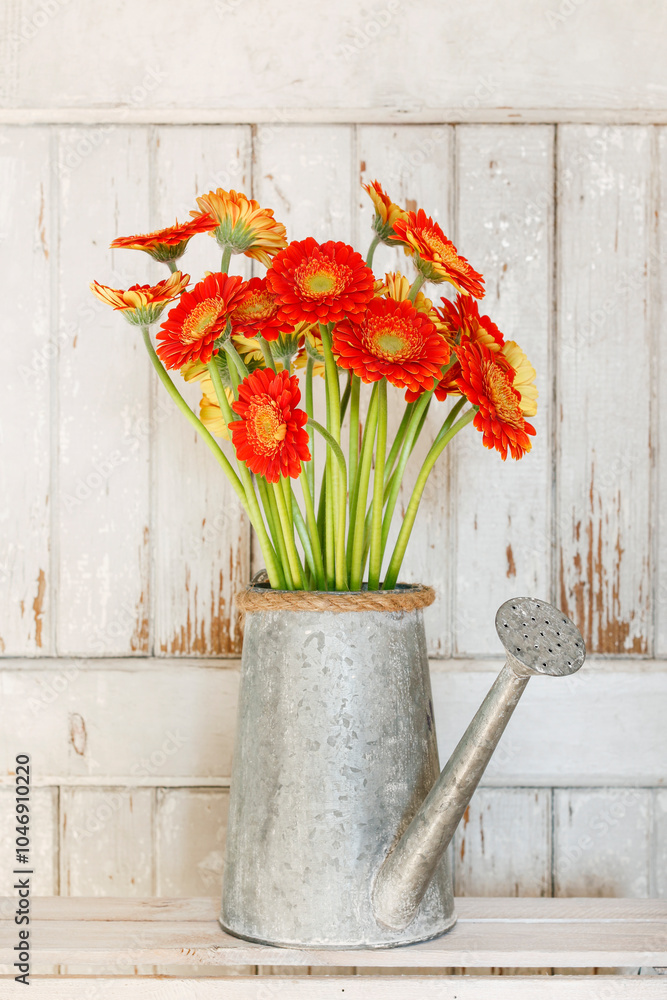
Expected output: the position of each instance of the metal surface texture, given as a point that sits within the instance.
(338, 822)
(538, 639)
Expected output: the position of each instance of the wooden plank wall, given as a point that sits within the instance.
(121, 548)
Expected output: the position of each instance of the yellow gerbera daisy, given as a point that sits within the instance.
(524, 379)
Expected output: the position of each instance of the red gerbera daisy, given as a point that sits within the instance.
(320, 282)
(488, 385)
(197, 321)
(435, 256)
(170, 243)
(259, 314)
(395, 341)
(270, 436)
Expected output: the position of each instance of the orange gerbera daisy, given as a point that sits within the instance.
(435, 256)
(190, 329)
(460, 322)
(488, 386)
(320, 282)
(270, 436)
(461, 319)
(259, 313)
(386, 212)
(142, 304)
(243, 225)
(167, 244)
(394, 341)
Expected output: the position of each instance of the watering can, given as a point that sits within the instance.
(340, 817)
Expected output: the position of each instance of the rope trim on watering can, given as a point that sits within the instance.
(405, 598)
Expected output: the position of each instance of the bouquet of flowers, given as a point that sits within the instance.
(320, 310)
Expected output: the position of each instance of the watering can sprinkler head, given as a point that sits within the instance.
(538, 639)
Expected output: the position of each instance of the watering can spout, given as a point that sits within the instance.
(538, 639)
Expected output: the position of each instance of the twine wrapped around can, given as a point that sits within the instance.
(404, 598)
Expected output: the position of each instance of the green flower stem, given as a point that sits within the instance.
(302, 531)
(288, 534)
(226, 258)
(284, 483)
(371, 251)
(345, 398)
(354, 485)
(398, 441)
(329, 532)
(267, 352)
(415, 286)
(411, 435)
(273, 517)
(172, 265)
(220, 456)
(413, 505)
(336, 452)
(363, 477)
(451, 417)
(318, 565)
(375, 565)
(355, 394)
(338, 494)
(254, 511)
(235, 358)
(310, 466)
(234, 379)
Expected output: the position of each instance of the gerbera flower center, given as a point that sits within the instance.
(266, 427)
(443, 250)
(200, 319)
(502, 395)
(391, 338)
(318, 278)
(259, 305)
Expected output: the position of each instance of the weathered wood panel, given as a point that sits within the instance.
(604, 728)
(107, 849)
(658, 272)
(504, 844)
(396, 988)
(191, 826)
(515, 55)
(75, 717)
(659, 854)
(602, 842)
(414, 165)
(604, 483)
(103, 510)
(303, 174)
(30, 346)
(202, 536)
(502, 529)
(106, 842)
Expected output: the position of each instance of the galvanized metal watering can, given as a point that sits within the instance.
(339, 815)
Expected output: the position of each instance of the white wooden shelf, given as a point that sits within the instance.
(501, 933)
